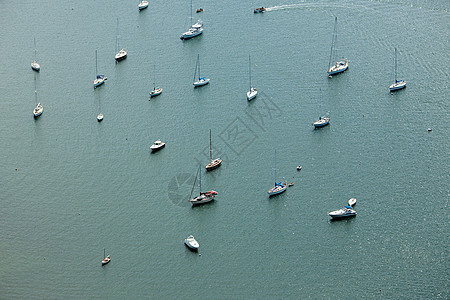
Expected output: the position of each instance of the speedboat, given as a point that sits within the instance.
(259, 10)
(203, 198)
(100, 117)
(201, 81)
(345, 212)
(339, 67)
(99, 80)
(143, 5)
(323, 121)
(35, 66)
(252, 94)
(121, 55)
(398, 85)
(38, 110)
(199, 10)
(291, 184)
(106, 260)
(193, 31)
(157, 145)
(352, 202)
(213, 164)
(155, 92)
(191, 243)
(277, 189)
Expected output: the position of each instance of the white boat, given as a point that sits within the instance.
(352, 202)
(156, 90)
(106, 259)
(122, 53)
(336, 66)
(342, 213)
(252, 91)
(100, 117)
(279, 187)
(193, 31)
(39, 109)
(100, 79)
(299, 168)
(398, 84)
(143, 5)
(157, 145)
(203, 198)
(323, 120)
(34, 65)
(214, 163)
(191, 243)
(201, 80)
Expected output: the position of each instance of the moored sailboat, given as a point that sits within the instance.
(214, 163)
(193, 31)
(106, 259)
(398, 84)
(100, 79)
(279, 187)
(323, 120)
(204, 197)
(39, 109)
(252, 91)
(156, 90)
(201, 80)
(122, 53)
(34, 65)
(336, 66)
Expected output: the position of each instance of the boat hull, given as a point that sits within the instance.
(338, 217)
(155, 92)
(192, 245)
(143, 5)
(100, 118)
(35, 66)
(190, 34)
(397, 86)
(274, 192)
(120, 56)
(156, 149)
(213, 165)
(202, 199)
(201, 82)
(338, 68)
(252, 94)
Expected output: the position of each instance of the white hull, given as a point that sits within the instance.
(155, 92)
(191, 243)
(201, 82)
(158, 145)
(352, 202)
(213, 164)
(202, 199)
(277, 190)
(322, 122)
(38, 110)
(100, 117)
(397, 86)
(252, 94)
(121, 55)
(143, 5)
(342, 213)
(339, 67)
(35, 66)
(99, 82)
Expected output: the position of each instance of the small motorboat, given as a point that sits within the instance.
(322, 121)
(259, 10)
(157, 145)
(291, 184)
(143, 5)
(352, 202)
(342, 213)
(199, 10)
(155, 92)
(299, 168)
(191, 243)
(38, 110)
(100, 117)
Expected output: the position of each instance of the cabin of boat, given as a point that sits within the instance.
(277, 189)
(259, 10)
(143, 5)
(157, 145)
(191, 243)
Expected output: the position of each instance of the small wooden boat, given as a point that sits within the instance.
(259, 10)
(106, 259)
(199, 10)
(352, 202)
(191, 243)
(291, 184)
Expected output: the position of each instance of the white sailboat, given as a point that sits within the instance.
(252, 91)
(336, 66)
(398, 84)
(122, 53)
(201, 80)
(39, 109)
(193, 31)
(279, 187)
(100, 79)
(156, 90)
(34, 65)
(106, 259)
(323, 120)
(214, 163)
(143, 5)
(203, 198)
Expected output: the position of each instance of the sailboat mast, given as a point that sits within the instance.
(154, 77)
(395, 65)
(117, 36)
(35, 51)
(333, 41)
(275, 167)
(96, 71)
(104, 252)
(250, 73)
(198, 59)
(200, 179)
(192, 22)
(196, 66)
(210, 149)
(35, 89)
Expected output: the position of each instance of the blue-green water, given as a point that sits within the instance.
(81, 186)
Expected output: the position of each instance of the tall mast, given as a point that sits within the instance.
(210, 151)
(196, 66)
(275, 167)
(154, 76)
(395, 65)
(198, 59)
(96, 71)
(117, 36)
(333, 43)
(35, 51)
(191, 14)
(35, 89)
(250, 73)
(200, 179)
(104, 252)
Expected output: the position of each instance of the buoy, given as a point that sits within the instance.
(16, 169)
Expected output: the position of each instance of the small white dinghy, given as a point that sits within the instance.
(100, 117)
(191, 243)
(352, 202)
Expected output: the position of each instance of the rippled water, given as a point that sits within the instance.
(81, 186)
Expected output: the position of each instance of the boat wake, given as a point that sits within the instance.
(300, 5)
